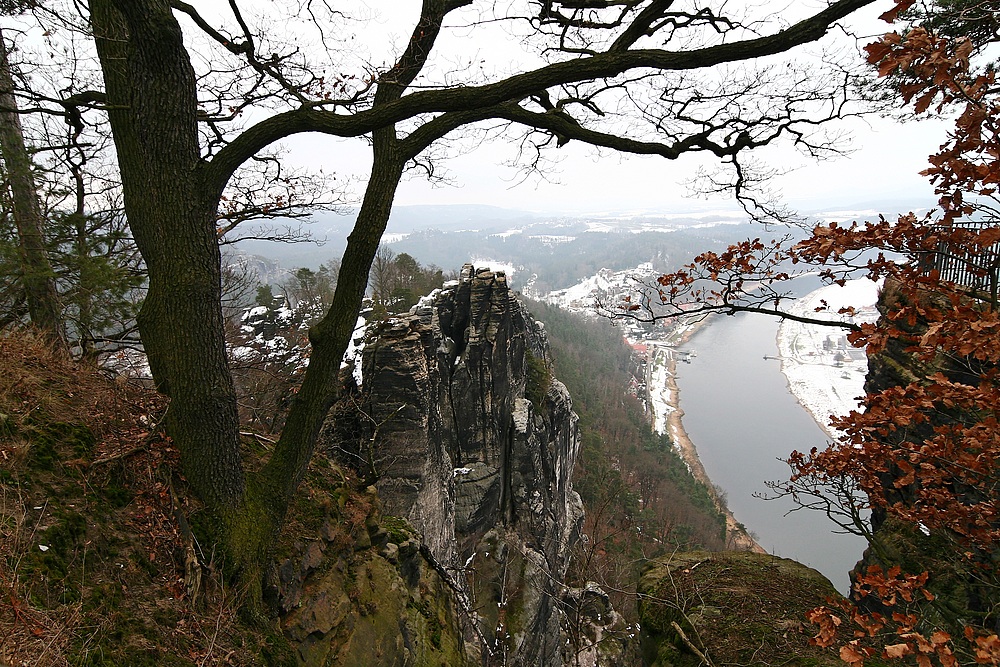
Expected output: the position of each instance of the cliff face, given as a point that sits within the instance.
(956, 585)
(464, 433)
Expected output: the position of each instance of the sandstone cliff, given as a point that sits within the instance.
(961, 590)
(459, 425)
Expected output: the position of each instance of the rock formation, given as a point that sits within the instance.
(961, 590)
(365, 596)
(460, 426)
(729, 608)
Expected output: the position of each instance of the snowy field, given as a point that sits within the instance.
(825, 374)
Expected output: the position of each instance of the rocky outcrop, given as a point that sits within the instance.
(466, 435)
(961, 590)
(359, 593)
(729, 608)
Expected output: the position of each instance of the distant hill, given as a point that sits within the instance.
(547, 251)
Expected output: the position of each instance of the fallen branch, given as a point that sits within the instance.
(701, 656)
(460, 595)
(192, 564)
(120, 455)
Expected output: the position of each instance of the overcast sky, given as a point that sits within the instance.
(884, 164)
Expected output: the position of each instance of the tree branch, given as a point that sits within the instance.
(641, 24)
(226, 42)
(563, 126)
(394, 108)
(725, 309)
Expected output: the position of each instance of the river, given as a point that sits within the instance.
(743, 420)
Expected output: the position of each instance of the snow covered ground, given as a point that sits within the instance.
(825, 374)
(606, 286)
(662, 400)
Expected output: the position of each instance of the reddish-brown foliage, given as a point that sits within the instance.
(928, 452)
(925, 451)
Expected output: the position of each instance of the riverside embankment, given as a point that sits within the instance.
(734, 406)
(661, 381)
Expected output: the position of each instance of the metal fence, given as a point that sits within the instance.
(975, 271)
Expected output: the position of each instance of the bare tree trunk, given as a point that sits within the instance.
(150, 86)
(36, 271)
(151, 91)
(152, 99)
(330, 336)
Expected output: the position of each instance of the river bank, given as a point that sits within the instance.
(824, 372)
(737, 536)
(744, 421)
(664, 395)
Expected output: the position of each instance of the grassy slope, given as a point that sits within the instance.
(95, 569)
(90, 556)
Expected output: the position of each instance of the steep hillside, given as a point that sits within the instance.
(436, 525)
(467, 435)
(101, 563)
(640, 498)
(92, 559)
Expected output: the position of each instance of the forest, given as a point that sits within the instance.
(641, 499)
